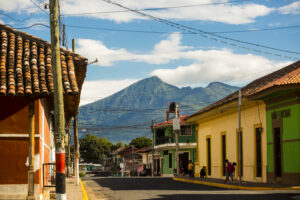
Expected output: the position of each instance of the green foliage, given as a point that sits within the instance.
(81, 174)
(95, 149)
(141, 142)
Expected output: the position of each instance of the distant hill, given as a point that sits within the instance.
(127, 114)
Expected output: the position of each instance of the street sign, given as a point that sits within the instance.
(176, 124)
(121, 165)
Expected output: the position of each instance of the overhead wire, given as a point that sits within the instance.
(36, 5)
(163, 32)
(157, 8)
(205, 34)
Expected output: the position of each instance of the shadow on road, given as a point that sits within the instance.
(150, 184)
(225, 197)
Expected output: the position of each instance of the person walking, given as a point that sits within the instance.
(229, 171)
(190, 168)
(203, 172)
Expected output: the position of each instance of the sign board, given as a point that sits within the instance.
(121, 165)
(176, 124)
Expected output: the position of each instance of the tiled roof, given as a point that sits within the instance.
(25, 66)
(170, 122)
(287, 76)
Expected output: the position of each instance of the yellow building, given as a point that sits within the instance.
(218, 139)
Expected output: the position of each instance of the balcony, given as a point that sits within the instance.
(164, 140)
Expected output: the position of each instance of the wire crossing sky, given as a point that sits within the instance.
(184, 43)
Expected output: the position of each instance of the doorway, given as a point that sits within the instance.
(277, 152)
(184, 161)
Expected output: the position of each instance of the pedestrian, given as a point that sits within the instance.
(190, 168)
(203, 172)
(233, 173)
(229, 171)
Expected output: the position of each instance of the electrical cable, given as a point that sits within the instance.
(204, 34)
(158, 8)
(161, 32)
(36, 5)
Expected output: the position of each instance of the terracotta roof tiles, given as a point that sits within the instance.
(25, 66)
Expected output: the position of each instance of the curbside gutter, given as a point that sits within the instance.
(85, 197)
(236, 187)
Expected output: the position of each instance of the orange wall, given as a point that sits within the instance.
(14, 115)
(14, 150)
(13, 155)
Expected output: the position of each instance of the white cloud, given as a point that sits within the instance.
(99, 89)
(163, 52)
(293, 8)
(219, 65)
(207, 65)
(226, 13)
(17, 6)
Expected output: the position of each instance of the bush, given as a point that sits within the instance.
(81, 174)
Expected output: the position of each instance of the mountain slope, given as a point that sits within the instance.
(138, 104)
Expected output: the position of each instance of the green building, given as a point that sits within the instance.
(164, 146)
(282, 98)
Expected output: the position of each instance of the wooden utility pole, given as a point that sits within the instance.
(31, 131)
(59, 118)
(69, 150)
(76, 150)
(76, 140)
(152, 165)
(176, 140)
(240, 138)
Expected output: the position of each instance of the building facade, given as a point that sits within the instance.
(282, 99)
(165, 147)
(269, 130)
(26, 89)
(218, 140)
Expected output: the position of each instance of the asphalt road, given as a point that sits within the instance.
(110, 188)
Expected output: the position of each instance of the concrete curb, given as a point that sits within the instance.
(85, 197)
(236, 187)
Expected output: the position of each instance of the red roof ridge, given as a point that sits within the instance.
(279, 77)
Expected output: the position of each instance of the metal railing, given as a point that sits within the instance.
(49, 174)
(164, 140)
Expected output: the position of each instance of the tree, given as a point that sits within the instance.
(94, 149)
(141, 142)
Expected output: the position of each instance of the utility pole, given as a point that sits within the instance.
(60, 180)
(176, 139)
(132, 161)
(69, 150)
(31, 131)
(76, 140)
(152, 167)
(76, 150)
(240, 138)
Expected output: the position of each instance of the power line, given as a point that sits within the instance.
(155, 9)
(204, 34)
(30, 26)
(161, 32)
(36, 5)
(15, 19)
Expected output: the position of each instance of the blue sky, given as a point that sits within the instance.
(136, 47)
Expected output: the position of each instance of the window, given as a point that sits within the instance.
(208, 156)
(185, 130)
(258, 152)
(170, 160)
(223, 155)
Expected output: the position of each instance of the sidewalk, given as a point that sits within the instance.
(243, 186)
(73, 192)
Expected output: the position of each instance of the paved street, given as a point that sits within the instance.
(165, 188)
